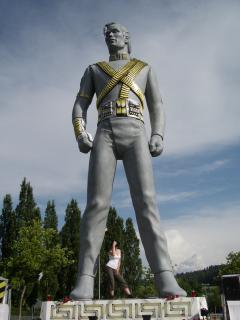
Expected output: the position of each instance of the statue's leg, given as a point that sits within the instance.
(101, 173)
(138, 166)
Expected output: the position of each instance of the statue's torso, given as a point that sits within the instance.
(100, 79)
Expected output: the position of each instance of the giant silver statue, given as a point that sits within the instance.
(121, 86)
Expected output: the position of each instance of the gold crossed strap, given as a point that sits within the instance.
(126, 76)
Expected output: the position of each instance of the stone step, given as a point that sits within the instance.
(131, 309)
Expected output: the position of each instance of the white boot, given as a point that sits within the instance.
(83, 289)
(167, 285)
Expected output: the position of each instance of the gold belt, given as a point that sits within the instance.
(120, 108)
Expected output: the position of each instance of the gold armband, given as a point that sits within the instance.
(79, 126)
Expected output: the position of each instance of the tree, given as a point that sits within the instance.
(26, 210)
(33, 253)
(115, 229)
(214, 299)
(131, 257)
(233, 264)
(50, 218)
(7, 227)
(146, 287)
(70, 239)
(51, 223)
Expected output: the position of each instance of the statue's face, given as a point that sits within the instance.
(115, 38)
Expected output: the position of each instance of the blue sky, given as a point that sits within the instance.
(192, 45)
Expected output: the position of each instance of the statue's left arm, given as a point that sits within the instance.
(156, 114)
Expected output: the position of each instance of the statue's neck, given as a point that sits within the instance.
(119, 56)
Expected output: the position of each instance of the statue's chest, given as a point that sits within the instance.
(101, 78)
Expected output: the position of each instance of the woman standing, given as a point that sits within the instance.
(113, 270)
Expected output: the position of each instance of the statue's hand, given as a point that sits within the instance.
(156, 145)
(85, 142)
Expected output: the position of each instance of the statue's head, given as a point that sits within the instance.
(117, 37)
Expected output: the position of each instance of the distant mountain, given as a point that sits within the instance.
(207, 276)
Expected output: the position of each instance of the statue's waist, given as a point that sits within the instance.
(120, 108)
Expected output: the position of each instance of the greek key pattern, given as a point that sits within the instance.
(134, 309)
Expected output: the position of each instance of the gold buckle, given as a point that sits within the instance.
(121, 108)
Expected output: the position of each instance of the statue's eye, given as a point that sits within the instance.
(113, 31)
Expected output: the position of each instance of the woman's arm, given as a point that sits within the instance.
(114, 248)
(118, 252)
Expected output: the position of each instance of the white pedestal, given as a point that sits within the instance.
(4, 311)
(135, 309)
(234, 309)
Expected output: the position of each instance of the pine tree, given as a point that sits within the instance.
(131, 257)
(26, 210)
(70, 239)
(50, 219)
(50, 223)
(7, 227)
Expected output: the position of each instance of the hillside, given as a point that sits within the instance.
(208, 276)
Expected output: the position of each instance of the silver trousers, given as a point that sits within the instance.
(121, 139)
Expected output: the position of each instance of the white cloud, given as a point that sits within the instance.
(212, 166)
(201, 239)
(178, 246)
(179, 196)
(36, 124)
(183, 254)
(210, 233)
(195, 262)
(198, 170)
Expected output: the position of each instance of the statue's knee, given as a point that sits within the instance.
(97, 204)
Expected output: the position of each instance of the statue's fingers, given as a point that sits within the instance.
(154, 154)
(85, 146)
(156, 149)
(152, 147)
(88, 144)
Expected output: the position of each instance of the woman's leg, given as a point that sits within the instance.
(110, 273)
(122, 282)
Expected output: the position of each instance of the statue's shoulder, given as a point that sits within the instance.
(145, 66)
(91, 69)
(90, 66)
(140, 61)
(142, 64)
(95, 66)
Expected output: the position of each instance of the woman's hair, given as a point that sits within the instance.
(117, 245)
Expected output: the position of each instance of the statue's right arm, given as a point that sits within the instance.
(79, 113)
